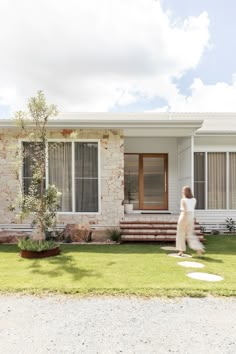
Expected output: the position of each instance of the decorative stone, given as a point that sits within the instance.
(77, 232)
(177, 256)
(205, 276)
(11, 236)
(191, 264)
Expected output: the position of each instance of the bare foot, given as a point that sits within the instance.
(200, 252)
(180, 253)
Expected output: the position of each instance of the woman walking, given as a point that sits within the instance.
(185, 227)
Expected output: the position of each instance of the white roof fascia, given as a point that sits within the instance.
(119, 122)
(215, 133)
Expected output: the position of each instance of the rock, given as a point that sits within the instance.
(11, 236)
(77, 232)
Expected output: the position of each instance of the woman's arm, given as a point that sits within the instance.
(183, 206)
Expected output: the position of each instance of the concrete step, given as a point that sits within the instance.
(151, 227)
(165, 238)
(153, 232)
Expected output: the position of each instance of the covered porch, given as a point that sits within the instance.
(158, 162)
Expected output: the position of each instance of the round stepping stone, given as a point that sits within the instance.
(205, 276)
(168, 248)
(177, 256)
(191, 264)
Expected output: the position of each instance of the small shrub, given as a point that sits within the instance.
(67, 239)
(35, 245)
(230, 224)
(55, 235)
(202, 229)
(215, 232)
(114, 235)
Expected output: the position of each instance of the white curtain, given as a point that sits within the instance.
(232, 180)
(199, 179)
(60, 171)
(216, 180)
(86, 177)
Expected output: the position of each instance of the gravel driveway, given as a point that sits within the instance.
(60, 324)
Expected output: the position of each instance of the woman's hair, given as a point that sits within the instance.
(187, 192)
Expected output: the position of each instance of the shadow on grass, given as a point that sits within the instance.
(61, 264)
(209, 259)
(11, 248)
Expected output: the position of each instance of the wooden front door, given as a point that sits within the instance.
(146, 176)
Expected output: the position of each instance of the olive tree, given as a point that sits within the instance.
(39, 202)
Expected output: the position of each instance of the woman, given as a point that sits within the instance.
(185, 228)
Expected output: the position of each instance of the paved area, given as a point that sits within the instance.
(117, 325)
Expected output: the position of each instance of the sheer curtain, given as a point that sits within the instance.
(216, 180)
(232, 180)
(199, 179)
(86, 177)
(30, 149)
(60, 171)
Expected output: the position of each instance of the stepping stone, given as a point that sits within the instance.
(168, 248)
(205, 276)
(176, 255)
(191, 264)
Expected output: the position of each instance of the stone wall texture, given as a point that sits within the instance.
(111, 174)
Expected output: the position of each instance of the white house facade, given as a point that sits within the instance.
(104, 159)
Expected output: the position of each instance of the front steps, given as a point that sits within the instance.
(143, 230)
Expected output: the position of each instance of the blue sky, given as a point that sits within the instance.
(218, 62)
(124, 56)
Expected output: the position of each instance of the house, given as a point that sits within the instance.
(99, 154)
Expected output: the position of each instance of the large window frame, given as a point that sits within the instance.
(72, 141)
(206, 152)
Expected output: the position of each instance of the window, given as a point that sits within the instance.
(73, 168)
(86, 177)
(199, 179)
(216, 170)
(215, 180)
(232, 180)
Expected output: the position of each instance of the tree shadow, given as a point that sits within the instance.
(9, 248)
(62, 264)
(128, 248)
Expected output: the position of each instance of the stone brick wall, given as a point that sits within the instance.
(111, 173)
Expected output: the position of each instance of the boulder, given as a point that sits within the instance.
(77, 232)
(8, 236)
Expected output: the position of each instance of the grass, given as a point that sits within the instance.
(129, 269)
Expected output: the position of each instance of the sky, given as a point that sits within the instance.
(119, 55)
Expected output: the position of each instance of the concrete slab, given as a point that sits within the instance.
(177, 256)
(191, 264)
(205, 276)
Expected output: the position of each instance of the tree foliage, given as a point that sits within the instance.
(40, 202)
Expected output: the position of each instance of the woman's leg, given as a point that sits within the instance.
(181, 234)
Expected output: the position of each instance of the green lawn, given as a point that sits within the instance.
(139, 269)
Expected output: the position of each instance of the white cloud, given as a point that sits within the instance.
(92, 55)
(219, 97)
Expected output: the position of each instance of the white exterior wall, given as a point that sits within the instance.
(217, 144)
(214, 216)
(185, 163)
(160, 145)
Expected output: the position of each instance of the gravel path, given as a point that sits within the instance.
(107, 325)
